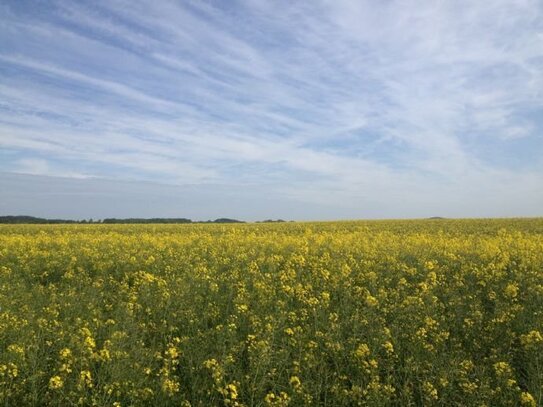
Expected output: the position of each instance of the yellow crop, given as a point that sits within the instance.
(429, 312)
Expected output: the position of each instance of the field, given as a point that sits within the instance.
(428, 312)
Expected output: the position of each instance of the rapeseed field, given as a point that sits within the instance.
(382, 313)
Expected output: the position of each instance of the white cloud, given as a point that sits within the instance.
(37, 166)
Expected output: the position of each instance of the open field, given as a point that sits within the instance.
(429, 312)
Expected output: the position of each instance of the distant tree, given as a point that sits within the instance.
(227, 220)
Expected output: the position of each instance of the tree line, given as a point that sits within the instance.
(36, 220)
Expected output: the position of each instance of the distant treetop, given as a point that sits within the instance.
(34, 220)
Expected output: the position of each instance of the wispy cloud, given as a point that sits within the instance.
(351, 104)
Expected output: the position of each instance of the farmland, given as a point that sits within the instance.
(426, 312)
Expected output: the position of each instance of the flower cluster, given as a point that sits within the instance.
(430, 312)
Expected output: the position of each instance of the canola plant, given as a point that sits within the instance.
(381, 313)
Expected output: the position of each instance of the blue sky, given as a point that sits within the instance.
(258, 109)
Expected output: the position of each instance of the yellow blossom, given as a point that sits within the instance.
(526, 399)
(55, 382)
(362, 351)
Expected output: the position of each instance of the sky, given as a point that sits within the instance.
(253, 109)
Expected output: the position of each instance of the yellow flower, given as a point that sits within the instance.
(282, 399)
(16, 349)
(172, 352)
(90, 343)
(85, 379)
(389, 348)
(362, 351)
(170, 387)
(526, 399)
(531, 339)
(104, 355)
(429, 265)
(55, 382)
(232, 391)
(511, 291)
(429, 391)
(502, 368)
(295, 382)
(11, 369)
(371, 301)
(242, 308)
(65, 367)
(210, 363)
